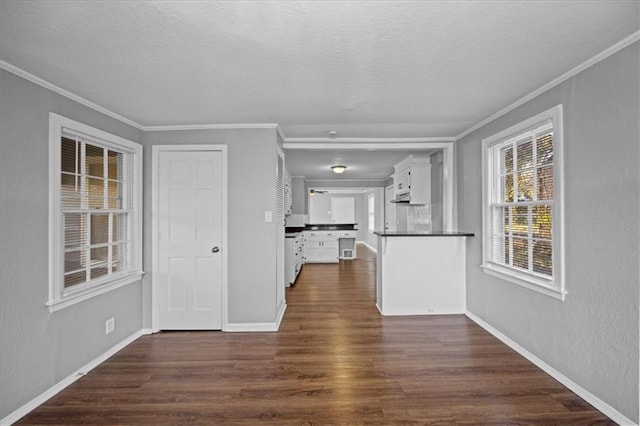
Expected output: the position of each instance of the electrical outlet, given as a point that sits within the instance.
(109, 326)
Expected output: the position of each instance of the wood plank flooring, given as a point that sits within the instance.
(335, 360)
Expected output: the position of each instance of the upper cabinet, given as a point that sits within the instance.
(412, 180)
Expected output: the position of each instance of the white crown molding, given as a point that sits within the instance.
(326, 140)
(281, 133)
(310, 181)
(583, 66)
(226, 126)
(59, 90)
(382, 146)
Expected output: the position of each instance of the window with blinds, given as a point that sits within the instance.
(371, 211)
(521, 231)
(94, 212)
(95, 202)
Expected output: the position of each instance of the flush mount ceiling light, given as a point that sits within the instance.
(338, 169)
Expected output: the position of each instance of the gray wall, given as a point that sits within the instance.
(252, 187)
(38, 348)
(591, 337)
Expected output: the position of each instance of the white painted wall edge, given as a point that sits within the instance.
(246, 327)
(62, 384)
(369, 246)
(599, 404)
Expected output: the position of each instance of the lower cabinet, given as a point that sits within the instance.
(293, 258)
(320, 247)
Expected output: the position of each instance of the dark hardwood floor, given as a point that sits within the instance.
(335, 360)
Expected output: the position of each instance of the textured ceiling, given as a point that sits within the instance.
(360, 164)
(366, 69)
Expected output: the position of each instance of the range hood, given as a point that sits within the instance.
(402, 198)
(406, 199)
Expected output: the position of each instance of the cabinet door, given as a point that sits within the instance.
(402, 182)
(312, 250)
(330, 249)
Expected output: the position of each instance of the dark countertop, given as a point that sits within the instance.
(331, 224)
(423, 234)
(322, 227)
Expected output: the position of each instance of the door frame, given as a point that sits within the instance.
(156, 150)
(449, 175)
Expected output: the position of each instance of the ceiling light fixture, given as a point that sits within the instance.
(338, 169)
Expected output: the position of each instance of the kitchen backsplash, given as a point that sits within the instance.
(414, 218)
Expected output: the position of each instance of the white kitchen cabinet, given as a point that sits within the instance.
(294, 258)
(412, 180)
(402, 182)
(320, 247)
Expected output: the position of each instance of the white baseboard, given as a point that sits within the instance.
(62, 384)
(599, 404)
(375, 250)
(245, 327)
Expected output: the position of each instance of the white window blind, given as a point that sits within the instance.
(522, 197)
(94, 211)
(521, 208)
(95, 202)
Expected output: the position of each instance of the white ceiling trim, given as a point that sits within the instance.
(311, 181)
(210, 127)
(583, 66)
(324, 143)
(59, 90)
(228, 126)
(381, 146)
(326, 140)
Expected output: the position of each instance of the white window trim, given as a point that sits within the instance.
(556, 287)
(60, 298)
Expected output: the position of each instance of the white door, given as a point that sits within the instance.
(342, 210)
(189, 240)
(389, 210)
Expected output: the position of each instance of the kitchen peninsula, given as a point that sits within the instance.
(421, 272)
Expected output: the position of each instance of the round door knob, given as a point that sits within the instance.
(216, 249)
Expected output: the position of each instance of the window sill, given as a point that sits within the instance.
(76, 296)
(524, 280)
